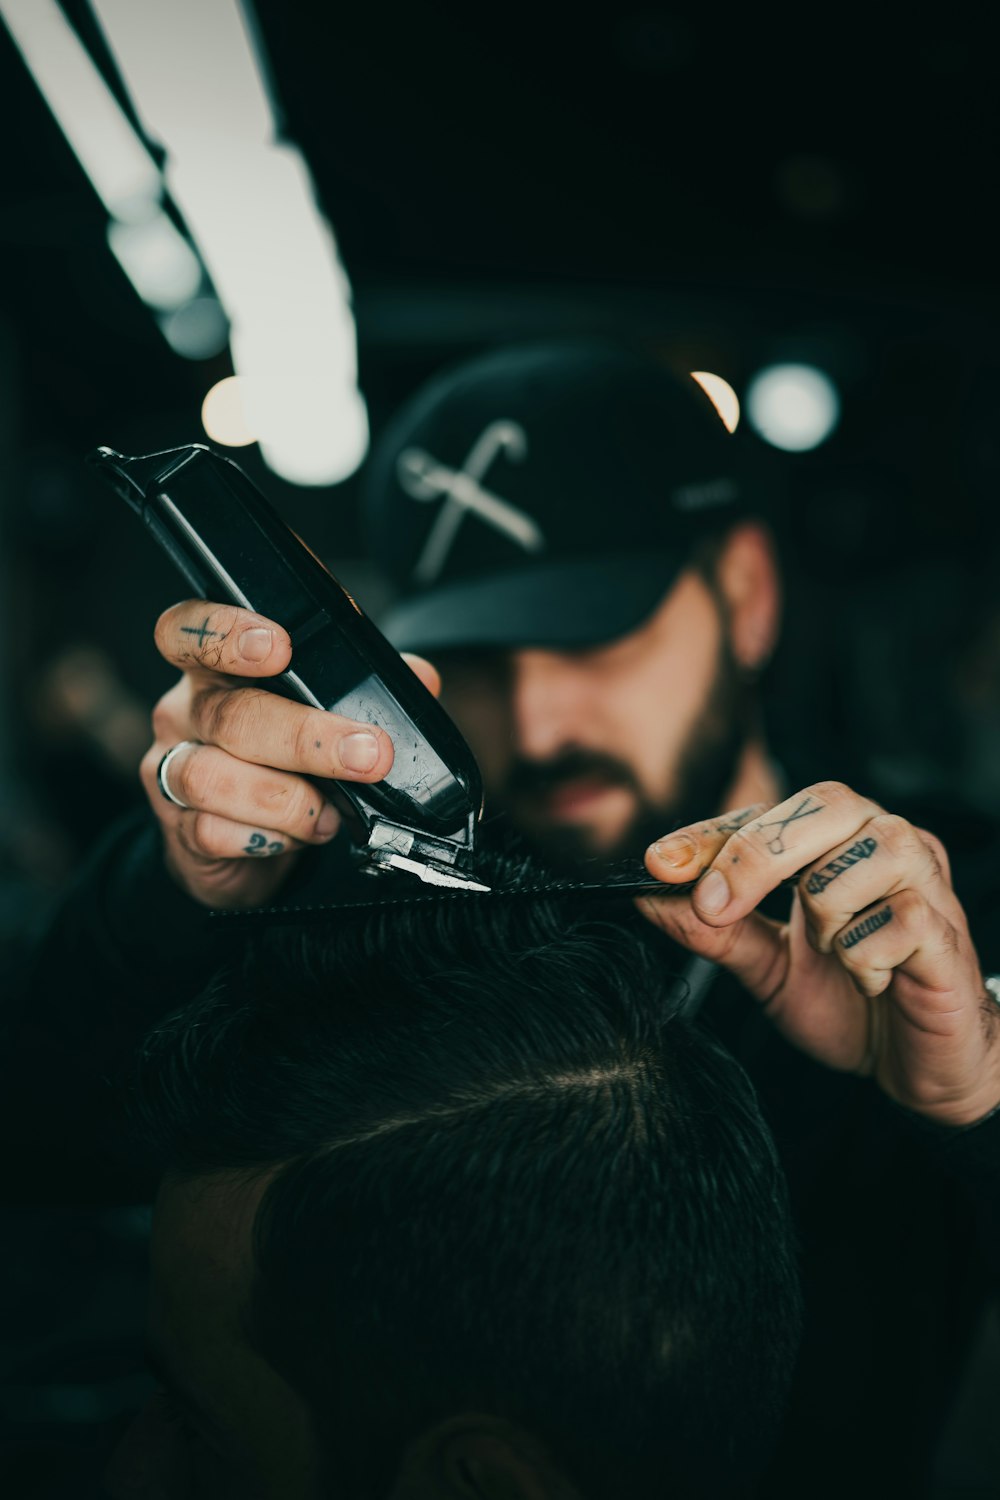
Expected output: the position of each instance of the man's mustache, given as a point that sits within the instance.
(532, 778)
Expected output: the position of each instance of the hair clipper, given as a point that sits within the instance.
(232, 547)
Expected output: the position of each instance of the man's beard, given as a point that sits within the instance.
(706, 770)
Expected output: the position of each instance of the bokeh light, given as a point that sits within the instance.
(793, 407)
(197, 330)
(722, 397)
(224, 416)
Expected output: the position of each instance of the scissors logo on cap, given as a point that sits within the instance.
(423, 477)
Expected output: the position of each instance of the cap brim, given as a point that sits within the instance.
(566, 604)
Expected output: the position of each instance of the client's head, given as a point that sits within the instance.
(457, 1206)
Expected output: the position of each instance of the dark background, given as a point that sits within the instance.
(729, 187)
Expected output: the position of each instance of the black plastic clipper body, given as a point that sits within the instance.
(231, 546)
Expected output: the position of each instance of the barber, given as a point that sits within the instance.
(601, 633)
(576, 547)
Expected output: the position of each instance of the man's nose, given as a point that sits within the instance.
(546, 703)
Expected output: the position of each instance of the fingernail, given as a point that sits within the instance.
(358, 752)
(255, 644)
(712, 892)
(328, 822)
(676, 851)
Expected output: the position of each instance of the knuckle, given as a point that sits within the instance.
(820, 930)
(304, 737)
(830, 791)
(856, 960)
(190, 778)
(225, 716)
(815, 934)
(204, 710)
(810, 899)
(848, 957)
(207, 711)
(305, 805)
(204, 835)
(279, 801)
(936, 851)
(934, 845)
(747, 841)
(897, 836)
(909, 909)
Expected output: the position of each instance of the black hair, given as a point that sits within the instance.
(511, 1180)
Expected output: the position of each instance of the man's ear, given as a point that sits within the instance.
(479, 1458)
(746, 573)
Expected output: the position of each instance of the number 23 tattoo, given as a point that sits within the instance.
(259, 845)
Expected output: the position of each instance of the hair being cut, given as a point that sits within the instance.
(509, 1179)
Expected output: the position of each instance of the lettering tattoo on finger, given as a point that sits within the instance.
(820, 879)
(259, 844)
(866, 928)
(805, 809)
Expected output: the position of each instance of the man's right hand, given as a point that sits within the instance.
(251, 807)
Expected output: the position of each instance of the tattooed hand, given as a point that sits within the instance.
(251, 805)
(874, 972)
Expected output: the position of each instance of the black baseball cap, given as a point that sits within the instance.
(545, 495)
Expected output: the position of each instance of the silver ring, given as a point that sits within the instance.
(163, 768)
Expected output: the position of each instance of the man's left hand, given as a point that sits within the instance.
(874, 972)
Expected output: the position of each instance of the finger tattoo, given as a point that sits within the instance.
(867, 927)
(820, 879)
(259, 845)
(201, 631)
(736, 820)
(805, 809)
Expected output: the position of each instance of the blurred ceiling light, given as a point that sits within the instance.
(157, 260)
(249, 204)
(148, 246)
(198, 329)
(722, 397)
(122, 171)
(794, 407)
(191, 71)
(224, 415)
(232, 410)
(288, 416)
